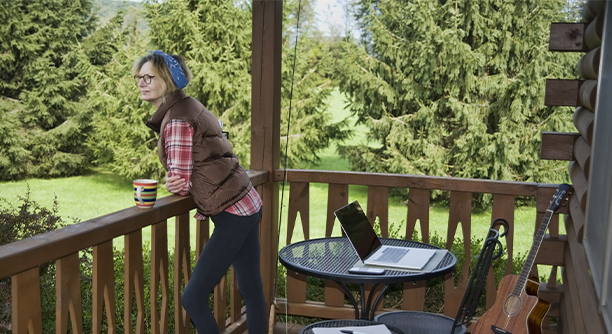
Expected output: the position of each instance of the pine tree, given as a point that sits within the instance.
(44, 65)
(456, 88)
(215, 38)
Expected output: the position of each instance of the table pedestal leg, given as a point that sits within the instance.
(367, 313)
(351, 297)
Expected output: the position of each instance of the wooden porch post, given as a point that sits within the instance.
(265, 126)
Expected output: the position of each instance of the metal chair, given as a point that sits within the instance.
(415, 322)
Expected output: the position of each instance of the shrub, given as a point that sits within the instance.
(21, 221)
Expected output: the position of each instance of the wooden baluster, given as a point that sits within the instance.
(378, 206)
(202, 236)
(25, 299)
(133, 282)
(235, 298)
(159, 278)
(337, 197)
(103, 287)
(298, 202)
(418, 209)
(182, 271)
(68, 294)
(220, 303)
(503, 207)
(460, 211)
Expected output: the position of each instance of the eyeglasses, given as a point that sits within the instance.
(147, 78)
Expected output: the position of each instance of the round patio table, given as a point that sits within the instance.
(331, 258)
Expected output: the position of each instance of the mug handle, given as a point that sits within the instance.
(138, 194)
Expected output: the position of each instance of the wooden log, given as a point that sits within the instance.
(594, 32)
(579, 182)
(576, 217)
(592, 8)
(567, 37)
(588, 302)
(558, 145)
(588, 65)
(584, 119)
(561, 92)
(588, 94)
(582, 153)
(572, 293)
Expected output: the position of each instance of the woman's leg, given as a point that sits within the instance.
(221, 250)
(248, 273)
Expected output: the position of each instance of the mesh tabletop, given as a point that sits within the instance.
(345, 323)
(331, 258)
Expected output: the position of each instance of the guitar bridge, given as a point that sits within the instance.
(497, 330)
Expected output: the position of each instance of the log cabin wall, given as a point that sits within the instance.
(579, 311)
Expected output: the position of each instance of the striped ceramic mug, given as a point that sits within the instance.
(145, 193)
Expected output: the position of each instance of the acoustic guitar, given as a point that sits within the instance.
(517, 308)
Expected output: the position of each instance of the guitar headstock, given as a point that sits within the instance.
(562, 195)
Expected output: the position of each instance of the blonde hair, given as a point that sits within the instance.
(161, 71)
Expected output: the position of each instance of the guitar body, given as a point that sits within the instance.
(513, 314)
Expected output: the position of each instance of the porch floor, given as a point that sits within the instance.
(284, 328)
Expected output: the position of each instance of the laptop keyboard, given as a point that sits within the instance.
(392, 255)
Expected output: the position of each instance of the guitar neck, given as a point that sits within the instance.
(537, 241)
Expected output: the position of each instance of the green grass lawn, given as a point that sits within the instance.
(101, 192)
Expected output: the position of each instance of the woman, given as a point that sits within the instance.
(199, 161)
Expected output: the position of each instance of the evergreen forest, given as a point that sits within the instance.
(445, 87)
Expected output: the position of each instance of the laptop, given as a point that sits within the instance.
(370, 250)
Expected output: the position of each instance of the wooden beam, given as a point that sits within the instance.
(561, 92)
(558, 145)
(265, 126)
(567, 37)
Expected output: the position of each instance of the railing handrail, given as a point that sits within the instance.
(516, 188)
(28, 253)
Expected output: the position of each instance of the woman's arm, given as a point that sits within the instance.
(178, 146)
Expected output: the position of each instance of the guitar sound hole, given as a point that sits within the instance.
(512, 305)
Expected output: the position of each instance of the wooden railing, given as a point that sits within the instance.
(418, 209)
(21, 260)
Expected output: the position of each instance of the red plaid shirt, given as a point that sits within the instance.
(179, 143)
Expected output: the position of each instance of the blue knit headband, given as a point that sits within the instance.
(175, 69)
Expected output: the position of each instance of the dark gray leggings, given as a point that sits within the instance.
(235, 241)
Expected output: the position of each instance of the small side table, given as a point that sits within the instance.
(331, 258)
(346, 323)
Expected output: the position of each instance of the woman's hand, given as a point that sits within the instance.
(174, 184)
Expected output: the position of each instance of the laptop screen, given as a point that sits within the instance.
(358, 229)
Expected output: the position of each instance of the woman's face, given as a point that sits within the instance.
(151, 92)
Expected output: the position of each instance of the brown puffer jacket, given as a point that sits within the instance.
(218, 181)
